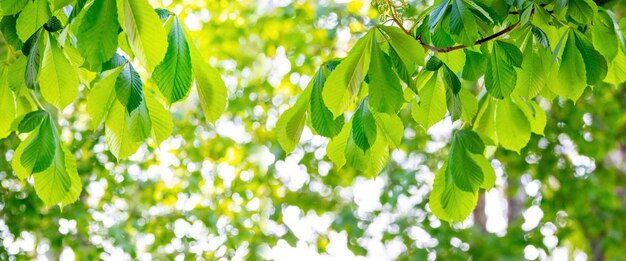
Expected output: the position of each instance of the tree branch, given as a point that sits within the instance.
(394, 17)
(457, 47)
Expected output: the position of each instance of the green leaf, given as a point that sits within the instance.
(7, 104)
(129, 88)
(76, 186)
(344, 83)
(33, 16)
(53, 184)
(437, 14)
(571, 80)
(488, 172)
(451, 80)
(173, 75)
(39, 153)
(512, 126)
(97, 33)
(581, 11)
(16, 163)
(447, 201)
(391, 125)
(212, 91)
(139, 122)
(16, 73)
(433, 64)
(7, 28)
(322, 119)
(432, 104)
(531, 79)
(363, 127)
(534, 113)
(33, 60)
(500, 77)
(146, 36)
(464, 171)
(475, 65)
(101, 97)
(58, 78)
(31, 121)
(541, 36)
(162, 124)
(462, 24)
(453, 86)
(11, 7)
(410, 51)
(291, 123)
(605, 37)
(617, 69)
(118, 132)
(336, 148)
(385, 90)
(595, 64)
(484, 124)
(469, 105)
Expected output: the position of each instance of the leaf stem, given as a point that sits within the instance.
(32, 93)
(394, 17)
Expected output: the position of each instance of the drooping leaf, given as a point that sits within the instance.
(462, 26)
(7, 28)
(484, 124)
(33, 16)
(410, 51)
(322, 119)
(469, 105)
(173, 75)
(581, 11)
(58, 78)
(344, 82)
(7, 104)
(33, 60)
(534, 113)
(391, 126)
(571, 80)
(437, 14)
(512, 126)
(432, 104)
(53, 184)
(336, 148)
(447, 201)
(118, 132)
(385, 90)
(39, 153)
(162, 124)
(453, 86)
(97, 33)
(11, 7)
(500, 77)
(595, 64)
(291, 123)
(129, 88)
(475, 65)
(531, 79)
(76, 186)
(146, 36)
(363, 127)
(102, 95)
(211, 89)
(464, 171)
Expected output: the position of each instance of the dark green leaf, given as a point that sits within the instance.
(31, 121)
(173, 75)
(363, 127)
(385, 91)
(38, 155)
(129, 88)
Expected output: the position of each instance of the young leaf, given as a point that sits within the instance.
(391, 125)
(76, 185)
(97, 33)
(33, 60)
(475, 65)
(363, 127)
(385, 91)
(145, 34)
(162, 124)
(173, 74)
(512, 126)
(58, 78)
(410, 51)
(322, 119)
(39, 153)
(344, 82)
(33, 16)
(484, 125)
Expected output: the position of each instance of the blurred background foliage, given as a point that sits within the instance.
(229, 192)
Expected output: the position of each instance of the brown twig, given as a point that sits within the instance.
(394, 17)
(457, 47)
